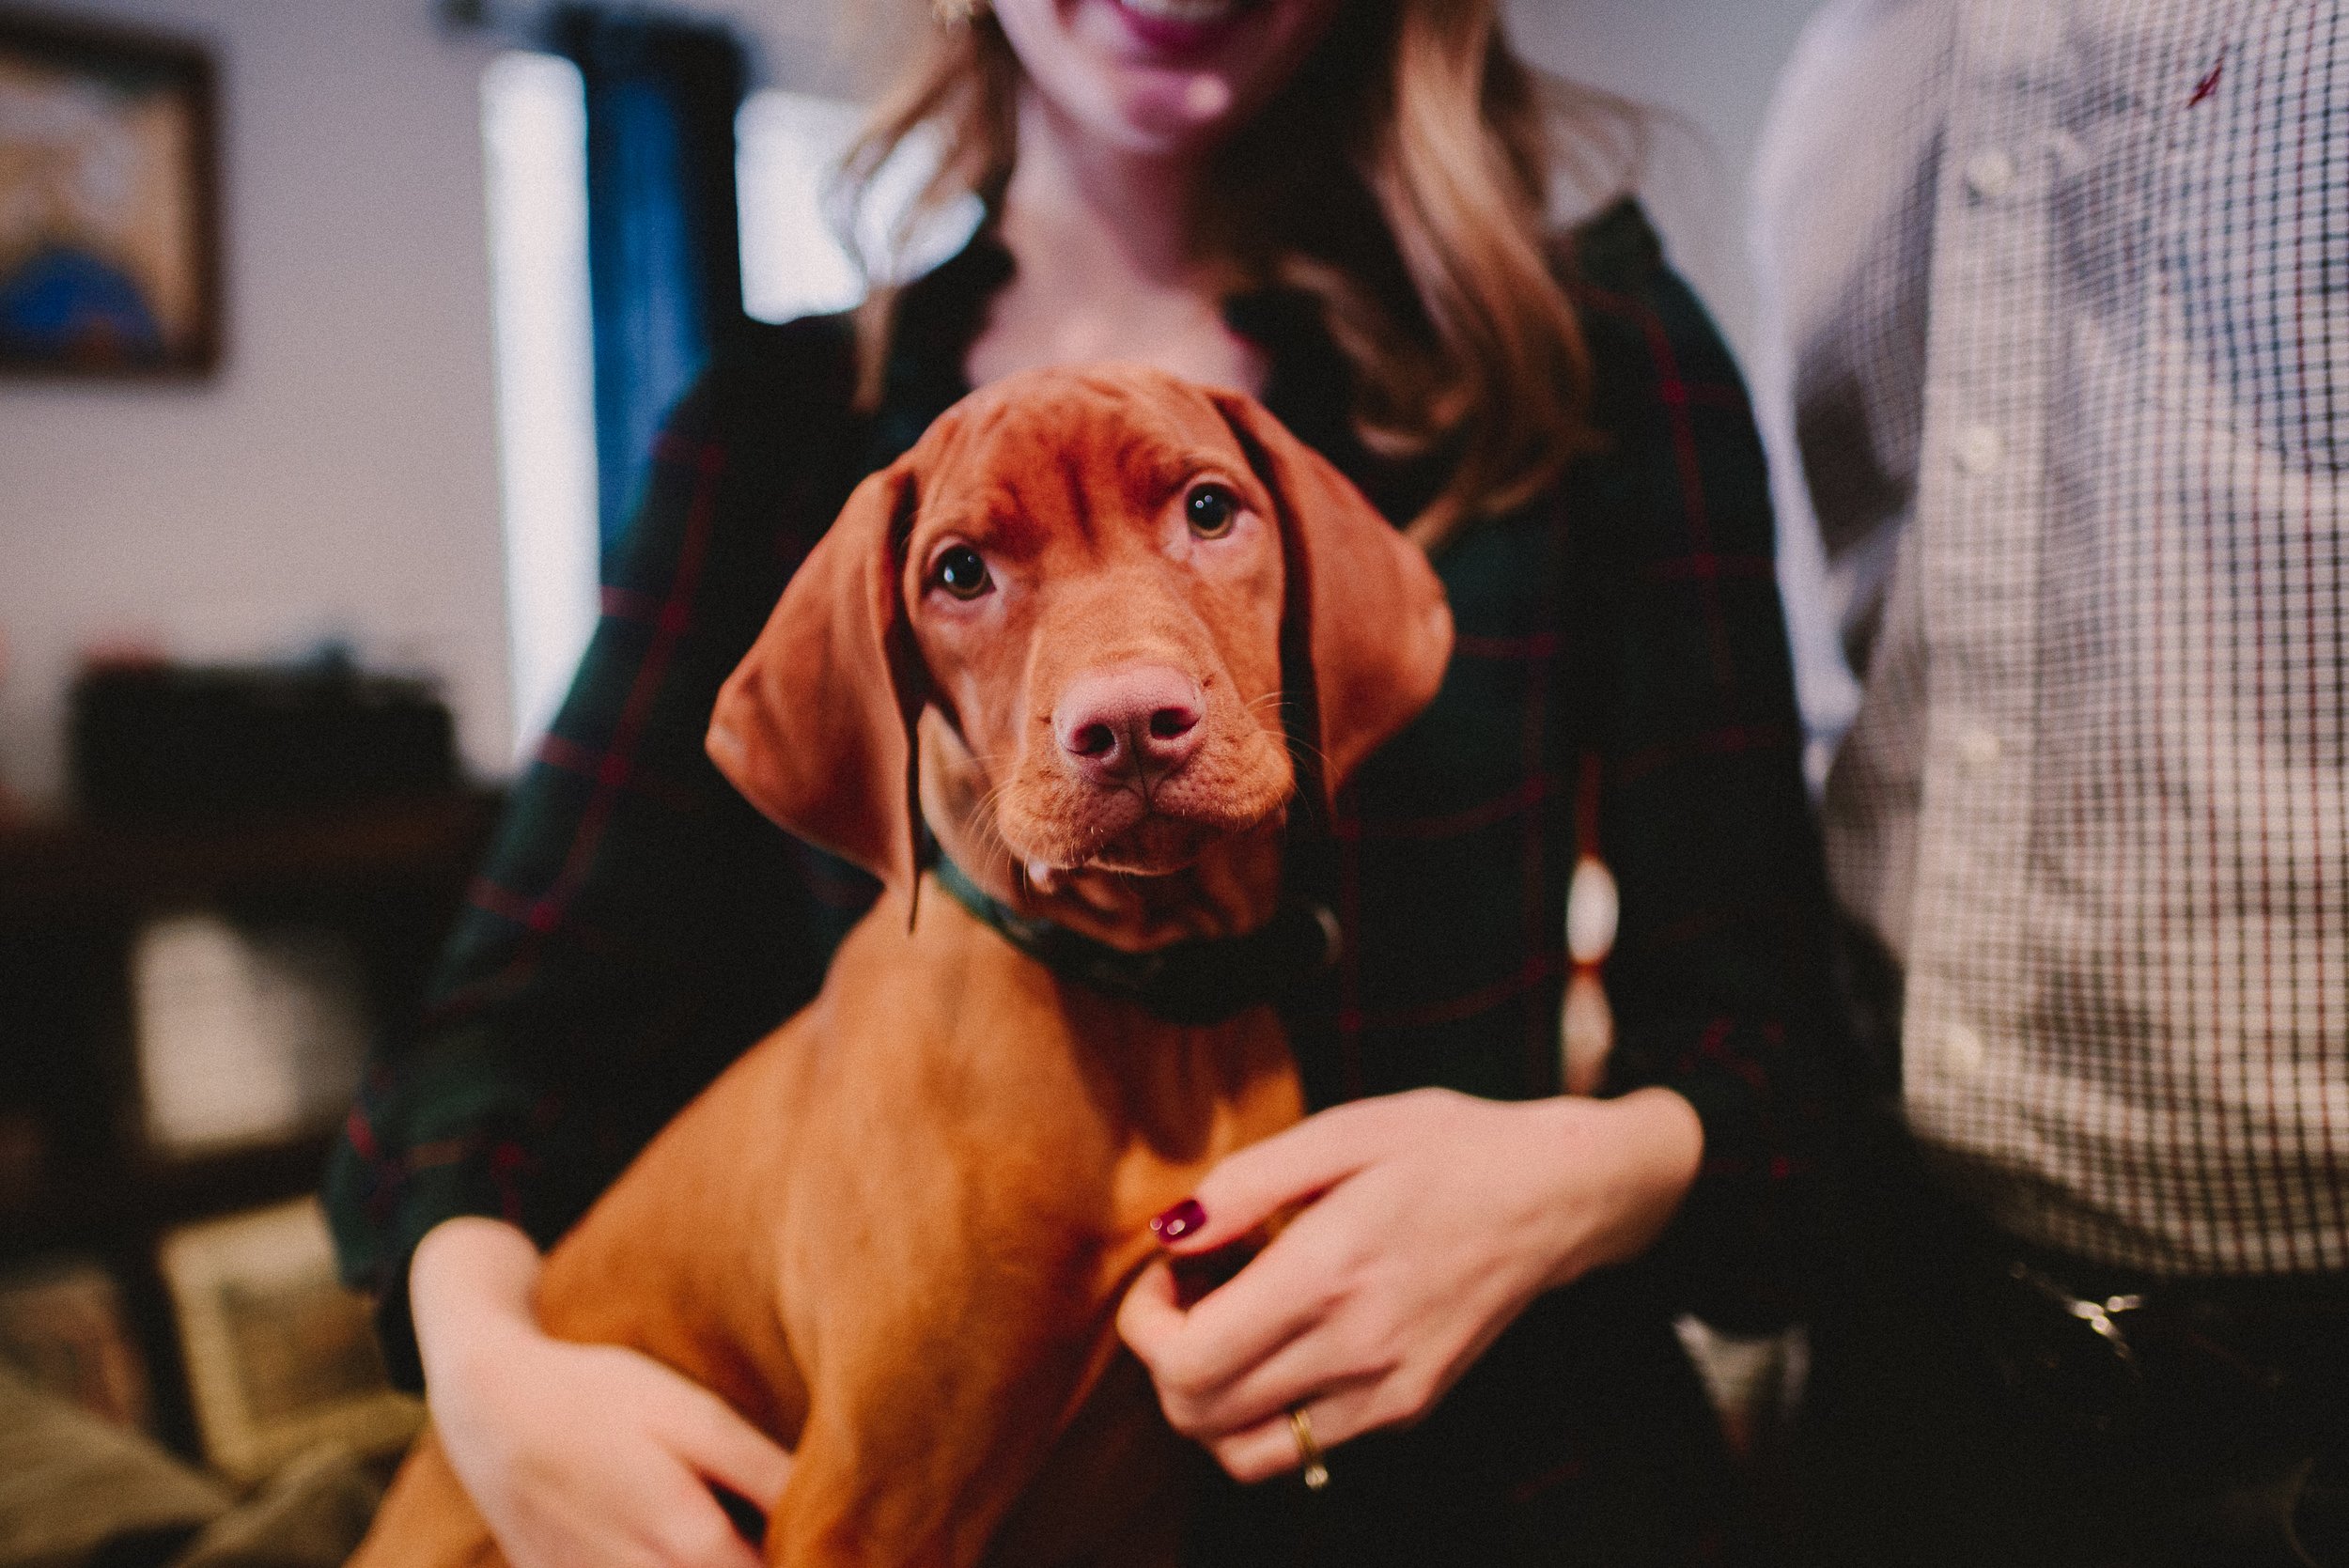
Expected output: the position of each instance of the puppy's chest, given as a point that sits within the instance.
(990, 1044)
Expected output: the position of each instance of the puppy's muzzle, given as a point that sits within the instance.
(1130, 725)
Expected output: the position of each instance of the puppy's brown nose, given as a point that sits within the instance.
(1134, 719)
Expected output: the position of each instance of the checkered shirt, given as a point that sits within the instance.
(638, 924)
(2064, 290)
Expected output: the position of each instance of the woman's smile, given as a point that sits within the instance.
(1180, 28)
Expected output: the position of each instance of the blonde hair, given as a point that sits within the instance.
(1400, 179)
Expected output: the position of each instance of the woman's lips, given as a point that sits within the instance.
(1179, 27)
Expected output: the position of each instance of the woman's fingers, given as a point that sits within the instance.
(729, 1451)
(1150, 1320)
(1246, 1188)
(1151, 1314)
(1260, 1340)
(1192, 1362)
(578, 1455)
(699, 1535)
(1286, 1293)
(1333, 1352)
(1269, 1446)
(1195, 1356)
(708, 1442)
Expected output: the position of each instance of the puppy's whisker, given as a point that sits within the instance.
(1273, 702)
(992, 843)
(985, 810)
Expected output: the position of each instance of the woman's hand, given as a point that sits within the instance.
(578, 1456)
(1434, 1219)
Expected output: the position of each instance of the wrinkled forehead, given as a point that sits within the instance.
(1049, 452)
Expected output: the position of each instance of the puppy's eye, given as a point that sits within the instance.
(961, 572)
(1210, 510)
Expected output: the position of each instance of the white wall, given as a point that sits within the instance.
(338, 475)
(1709, 67)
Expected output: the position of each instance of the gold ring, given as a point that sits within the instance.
(1317, 1473)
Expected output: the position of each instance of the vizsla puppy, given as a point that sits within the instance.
(896, 1234)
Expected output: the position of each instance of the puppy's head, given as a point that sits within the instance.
(1071, 601)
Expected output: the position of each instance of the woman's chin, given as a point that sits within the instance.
(1176, 114)
(1162, 108)
(1162, 77)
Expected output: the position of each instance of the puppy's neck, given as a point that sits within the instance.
(1232, 889)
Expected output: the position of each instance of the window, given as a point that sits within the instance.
(533, 122)
(787, 147)
(535, 136)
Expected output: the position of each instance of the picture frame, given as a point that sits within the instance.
(109, 202)
(280, 1356)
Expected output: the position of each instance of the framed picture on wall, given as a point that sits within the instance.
(109, 203)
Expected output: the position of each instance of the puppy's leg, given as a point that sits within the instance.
(426, 1521)
(1113, 1493)
(931, 1415)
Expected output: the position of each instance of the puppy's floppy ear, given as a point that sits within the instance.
(1362, 601)
(815, 727)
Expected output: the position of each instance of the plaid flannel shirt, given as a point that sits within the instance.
(638, 926)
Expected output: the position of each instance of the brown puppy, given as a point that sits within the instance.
(894, 1235)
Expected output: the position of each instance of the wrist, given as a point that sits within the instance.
(1622, 1168)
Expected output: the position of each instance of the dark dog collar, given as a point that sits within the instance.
(1191, 982)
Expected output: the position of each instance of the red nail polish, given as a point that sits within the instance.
(1180, 1222)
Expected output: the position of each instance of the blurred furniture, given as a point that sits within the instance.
(78, 1492)
(186, 742)
(77, 1174)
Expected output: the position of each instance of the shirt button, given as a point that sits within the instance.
(1979, 748)
(1979, 448)
(1989, 174)
(1962, 1049)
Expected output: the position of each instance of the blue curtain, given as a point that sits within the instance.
(665, 264)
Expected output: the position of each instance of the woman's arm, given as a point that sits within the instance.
(636, 924)
(1718, 979)
(510, 1405)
